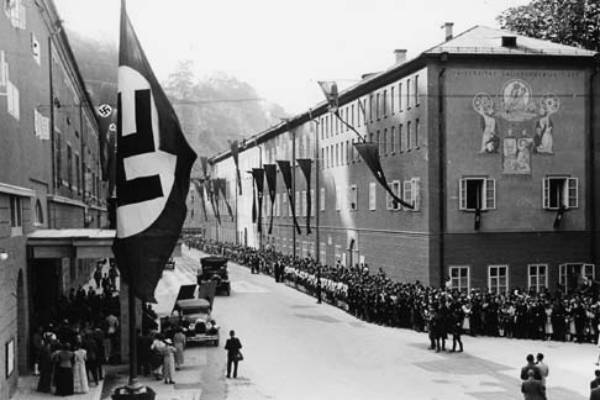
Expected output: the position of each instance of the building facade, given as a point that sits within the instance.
(50, 176)
(492, 136)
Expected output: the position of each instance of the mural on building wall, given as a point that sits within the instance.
(520, 121)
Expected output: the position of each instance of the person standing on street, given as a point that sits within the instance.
(98, 276)
(531, 366)
(179, 342)
(543, 367)
(233, 346)
(168, 352)
(532, 388)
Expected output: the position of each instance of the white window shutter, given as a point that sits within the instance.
(398, 192)
(462, 194)
(22, 18)
(408, 194)
(322, 199)
(572, 193)
(546, 193)
(372, 196)
(416, 193)
(490, 194)
(3, 69)
(312, 202)
(389, 201)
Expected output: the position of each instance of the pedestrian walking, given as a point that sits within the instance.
(532, 388)
(80, 381)
(458, 317)
(234, 356)
(157, 356)
(91, 349)
(179, 342)
(543, 367)
(168, 352)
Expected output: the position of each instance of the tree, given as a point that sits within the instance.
(569, 22)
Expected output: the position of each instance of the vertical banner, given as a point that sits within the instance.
(200, 189)
(305, 164)
(204, 164)
(259, 178)
(153, 164)
(214, 199)
(235, 154)
(271, 175)
(253, 199)
(370, 154)
(223, 189)
(286, 173)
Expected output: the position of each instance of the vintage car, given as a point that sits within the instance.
(195, 320)
(215, 269)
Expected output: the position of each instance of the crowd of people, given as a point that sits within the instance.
(374, 297)
(79, 337)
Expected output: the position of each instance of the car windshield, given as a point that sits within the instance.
(195, 310)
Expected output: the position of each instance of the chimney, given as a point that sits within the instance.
(448, 30)
(400, 55)
(509, 41)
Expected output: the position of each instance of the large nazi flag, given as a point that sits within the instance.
(153, 170)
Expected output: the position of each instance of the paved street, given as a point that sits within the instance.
(296, 349)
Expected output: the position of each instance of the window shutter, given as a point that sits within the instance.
(312, 202)
(3, 70)
(416, 193)
(462, 194)
(408, 195)
(546, 193)
(372, 196)
(398, 190)
(354, 197)
(490, 194)
(389, 202)
(573, 192)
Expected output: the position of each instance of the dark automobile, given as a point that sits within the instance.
(215, 269)
(196, 322)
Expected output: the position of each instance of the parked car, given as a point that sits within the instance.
(215, 269)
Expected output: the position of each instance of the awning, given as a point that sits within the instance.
(70, 243)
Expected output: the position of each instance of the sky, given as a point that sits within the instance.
(282, 47)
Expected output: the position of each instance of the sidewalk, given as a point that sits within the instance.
(27, 385)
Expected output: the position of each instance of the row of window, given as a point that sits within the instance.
(347, 199)
(73, 171)
(392, 140)
(384, 102)
(498, 276)
(480, 193)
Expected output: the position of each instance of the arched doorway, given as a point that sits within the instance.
(22, 334)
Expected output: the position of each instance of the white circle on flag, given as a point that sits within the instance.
(136, 217)
(104, 110)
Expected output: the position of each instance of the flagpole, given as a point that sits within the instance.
(318, 191)
(293, 133)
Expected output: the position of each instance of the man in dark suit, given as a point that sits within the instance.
(533, 389)
(537, 374)
(233, 346)
(596, 382)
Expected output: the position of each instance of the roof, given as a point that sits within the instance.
(72, 234)
(476, 41)
(485, 40)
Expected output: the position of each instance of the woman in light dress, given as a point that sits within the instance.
(80, 379)
(548, 325)
(168, 352)
(179, 342)
(466, 308)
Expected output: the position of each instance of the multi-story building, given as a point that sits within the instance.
(494, 138)
(50, 175)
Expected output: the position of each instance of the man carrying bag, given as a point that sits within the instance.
(233, 346)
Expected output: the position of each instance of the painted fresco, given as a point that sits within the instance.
(516, 123)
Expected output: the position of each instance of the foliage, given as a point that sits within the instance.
(569, 22)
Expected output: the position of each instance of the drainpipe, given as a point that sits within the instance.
(442, 162)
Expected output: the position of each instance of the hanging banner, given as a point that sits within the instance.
(305, 164)
(213, 198)
(236, 161)
(222, 187)
(286, 173)
(259, 179)
(271, 175)
(199, 185)
(370, 154)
